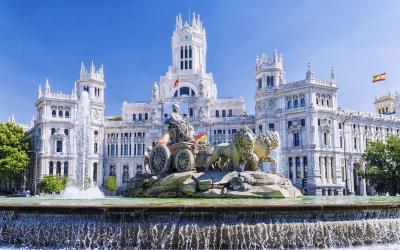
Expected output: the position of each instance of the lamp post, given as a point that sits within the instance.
(343, 118)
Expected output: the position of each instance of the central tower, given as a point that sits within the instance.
(187, 76)
(189, 46)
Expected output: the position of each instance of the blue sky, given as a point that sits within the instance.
(49, 39)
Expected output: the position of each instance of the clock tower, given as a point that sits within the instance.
(189, 46)
(187, 76)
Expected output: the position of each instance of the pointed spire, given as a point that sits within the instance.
(275, 55)
(40, 93)
(47, 87)
(333, 74)
(309, 73)
(33, 121)
(92, 68)
(11, 119)
(74, 90)
(83, 71)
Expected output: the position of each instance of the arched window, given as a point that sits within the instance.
(290, 168)
(58, 171)
(95, 171)
(327, 103)
(66, 169)
(181, 53)
(66, 114)
(66, 132)
(298, 170)
(95, 148)
(289, 104)
(51, 168)
(190, 51)
(379, 111)
(192, 92)
(290, 123)
(54, 113)
(186, 52)
(317, 101)
(302, 102)
(60, 113)
(53, 131)
(296, 103)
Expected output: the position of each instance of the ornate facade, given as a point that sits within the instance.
(321, 145)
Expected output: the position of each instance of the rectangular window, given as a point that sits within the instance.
(325, 139)
(59, 147)
(224, 113)
(191, 112)
(341, 142)
(216, 113)
(126, 149)
(296, 139)
(186, 65)
(190, 64)
(146, 116)
(303, 122)
(271, 127)
(181, 64)
(259, 83)
(140, 117)
(134, 117)
(355, 143)
(230, 112)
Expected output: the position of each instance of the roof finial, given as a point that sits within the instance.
(333, 74)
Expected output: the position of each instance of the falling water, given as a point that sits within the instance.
(172, 230)
(81, 187)
(83, 129)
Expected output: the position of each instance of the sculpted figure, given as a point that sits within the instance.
(155, 92)
(241, 150)
(264, 144)
(179, 130)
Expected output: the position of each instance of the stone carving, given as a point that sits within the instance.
(175, 168)
(241, 150)
(154, 116)
(201, 88)
(248, 184)
(202, 114)
(247, 149)
(155, 92)
(179, 130)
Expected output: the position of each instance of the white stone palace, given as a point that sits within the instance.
(321, 145)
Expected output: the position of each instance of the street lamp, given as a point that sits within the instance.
(343, 118)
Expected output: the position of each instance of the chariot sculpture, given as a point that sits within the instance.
(181, 152)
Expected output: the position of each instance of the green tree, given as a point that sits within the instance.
(383, 169)
(111, 184)
(50, 184)
(14, 146)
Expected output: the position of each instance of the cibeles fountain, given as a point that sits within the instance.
(80, 186)
(195, 196)
(181, 166)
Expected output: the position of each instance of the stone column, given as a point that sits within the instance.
(328, 164)
(322, 168)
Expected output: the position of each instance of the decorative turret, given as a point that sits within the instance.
(269, 71)
(92, 74)
(11, 119)
(333, 75)
(310, 73)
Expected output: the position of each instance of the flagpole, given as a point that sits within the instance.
(387, 90)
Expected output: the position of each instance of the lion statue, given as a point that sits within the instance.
(245, 148)
(241, 150)
(265, 143)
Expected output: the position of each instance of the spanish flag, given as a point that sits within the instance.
(201, 138)
(378, 78)
(176, 83)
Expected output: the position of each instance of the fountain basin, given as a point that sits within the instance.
(200, 223)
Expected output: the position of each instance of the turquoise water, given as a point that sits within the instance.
(122, 201)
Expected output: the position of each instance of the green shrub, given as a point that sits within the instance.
(111, 184)
(50, 184)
